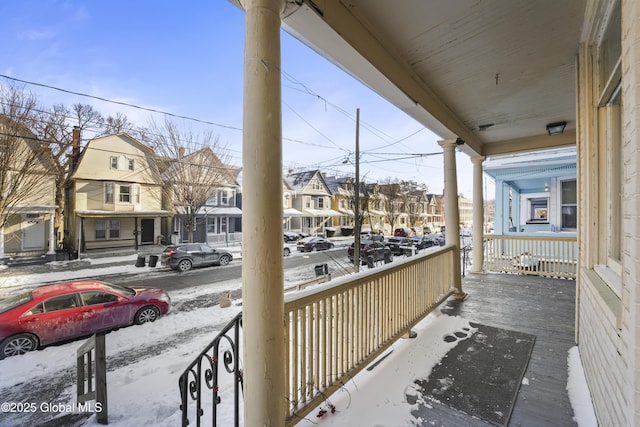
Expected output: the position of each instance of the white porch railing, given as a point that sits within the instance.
(550, 256)
(335, 332)
(224, 238)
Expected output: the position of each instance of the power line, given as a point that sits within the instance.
(126, 104)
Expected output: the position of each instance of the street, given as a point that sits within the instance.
(170, 280)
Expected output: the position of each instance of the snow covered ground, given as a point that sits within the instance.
(144, 364)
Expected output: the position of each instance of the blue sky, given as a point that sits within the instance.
(186, 58)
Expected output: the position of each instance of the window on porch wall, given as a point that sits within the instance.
(610, 112)
(114, 229)
(569, 208)
(101, 229)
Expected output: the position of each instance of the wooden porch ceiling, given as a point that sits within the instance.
(458, 66)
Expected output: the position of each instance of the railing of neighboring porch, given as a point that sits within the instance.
(335, 332)
(549, 256)
(224, 238)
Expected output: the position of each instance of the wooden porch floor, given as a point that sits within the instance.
(535, 305)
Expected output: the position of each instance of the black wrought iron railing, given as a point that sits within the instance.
(199, 384)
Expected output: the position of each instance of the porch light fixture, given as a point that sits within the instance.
(556, 128)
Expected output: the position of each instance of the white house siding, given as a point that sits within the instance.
(608, 317)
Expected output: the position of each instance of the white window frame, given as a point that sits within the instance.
(563, 204)
(109, 190)
(114, 229)
(121, 194)
(102, 229)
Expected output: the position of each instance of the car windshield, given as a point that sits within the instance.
(120, 289)
(15, 301)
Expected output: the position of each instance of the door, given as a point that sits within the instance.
(57, 319)
(103, 311)
(146, 230)
(32, 232)
(209, 255)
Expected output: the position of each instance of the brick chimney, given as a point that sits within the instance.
(75, 147)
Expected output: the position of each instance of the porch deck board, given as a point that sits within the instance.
(535, 305)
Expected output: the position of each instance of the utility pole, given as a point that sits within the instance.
(356, 210)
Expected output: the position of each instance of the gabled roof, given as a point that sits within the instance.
(149, 156)
(300, 181)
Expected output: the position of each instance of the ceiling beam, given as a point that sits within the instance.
(540, 142)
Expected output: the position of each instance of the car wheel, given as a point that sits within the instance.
(224, 260)
(184, 265)
(146, 314)
(287, 251)
(18, 344)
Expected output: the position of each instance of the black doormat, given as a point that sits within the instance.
(482, 374)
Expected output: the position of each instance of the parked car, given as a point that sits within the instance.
(423, 242)
(398, 245)
(368, 248)
(59, 312)
(438, 238)
(286, 251)
(371, 236)
(314, 243)
(290, 236)
(403, 232)
(184, 257)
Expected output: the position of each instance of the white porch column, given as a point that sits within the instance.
(52, 234)
(262, 270)
(478, 215)
(451, 208)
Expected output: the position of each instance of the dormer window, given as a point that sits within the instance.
(121, 163)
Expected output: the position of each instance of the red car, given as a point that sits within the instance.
(63, 311)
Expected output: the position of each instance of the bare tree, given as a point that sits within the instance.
(118, 124)
(23, 158)
(414, 198)
(86, 116)
(393, 200)
(193, 168)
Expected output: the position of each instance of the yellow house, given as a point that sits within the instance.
(114, 195)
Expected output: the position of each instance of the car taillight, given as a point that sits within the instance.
(171, 252)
